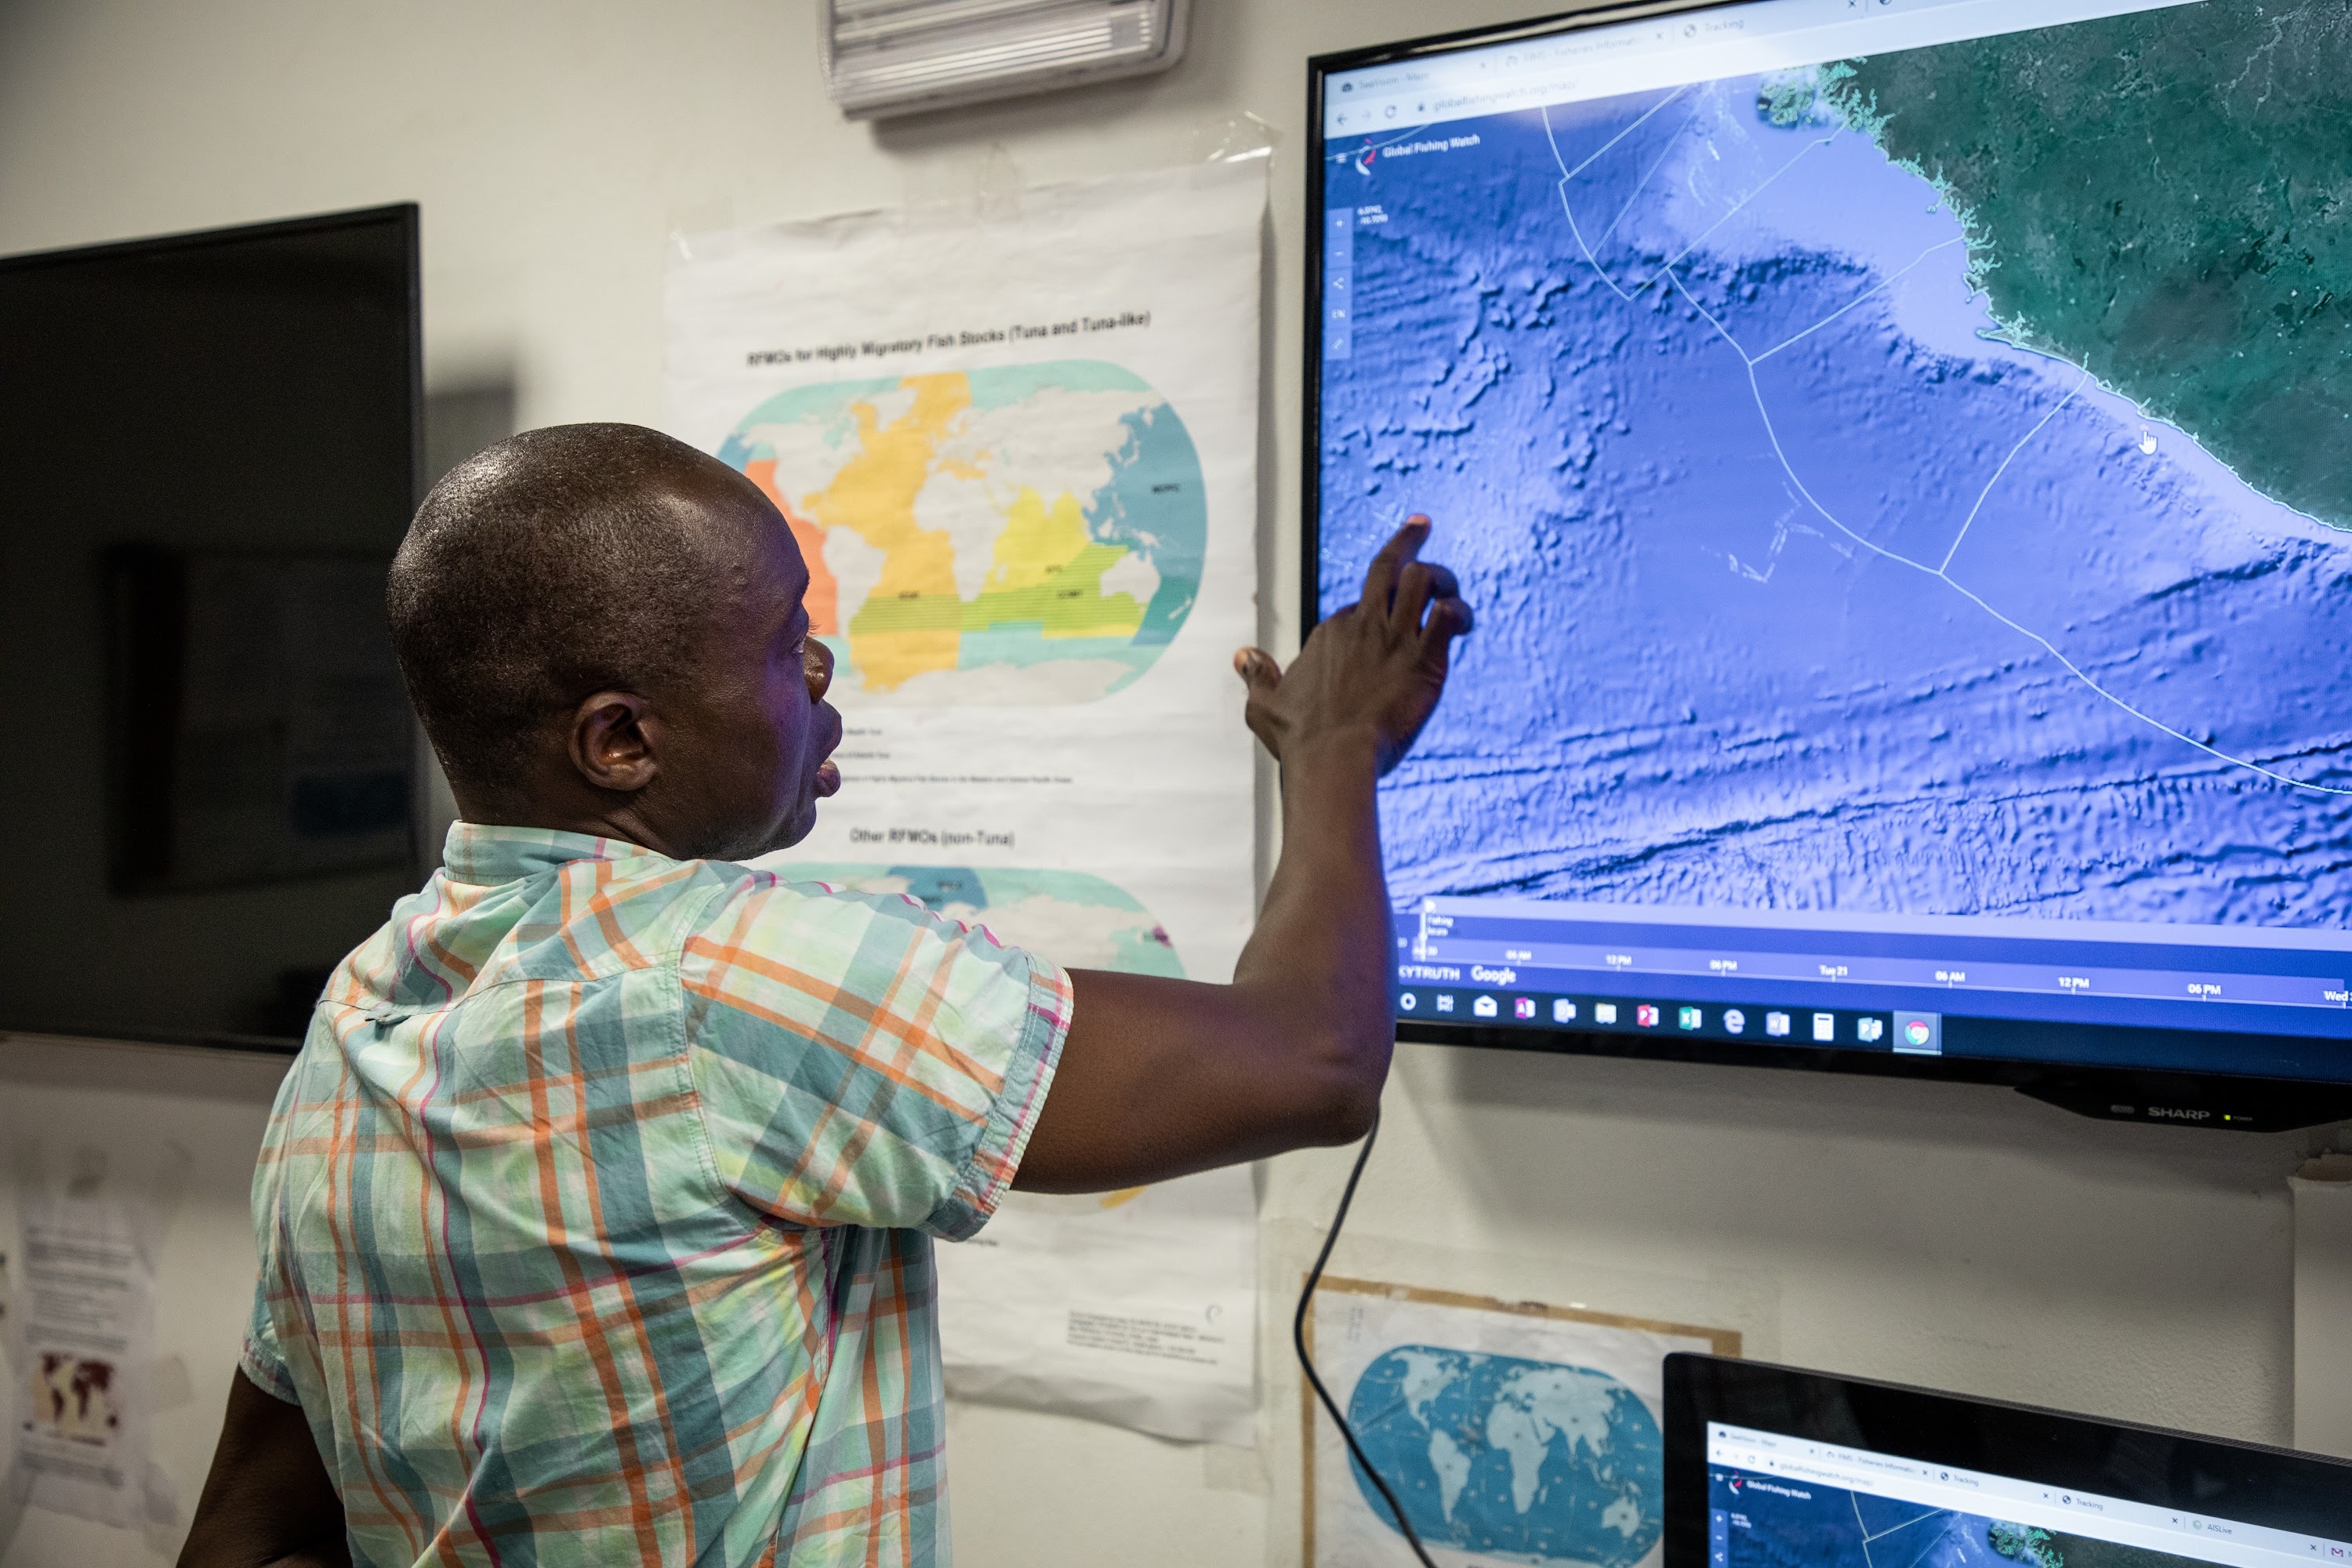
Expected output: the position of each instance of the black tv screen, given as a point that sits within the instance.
(1901, 458)
(208, 453)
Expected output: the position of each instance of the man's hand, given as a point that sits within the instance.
(1377, 666)
(1163, 1077)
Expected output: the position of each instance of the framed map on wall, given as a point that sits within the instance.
(1511, 1432)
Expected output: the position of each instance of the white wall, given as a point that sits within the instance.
(1957, 1237)
(192, 1119)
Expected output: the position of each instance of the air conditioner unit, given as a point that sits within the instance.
(901, 56)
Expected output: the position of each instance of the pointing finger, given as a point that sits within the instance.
(1381, 578)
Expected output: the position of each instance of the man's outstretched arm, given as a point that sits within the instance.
(268, 1502)
(1159, 1076)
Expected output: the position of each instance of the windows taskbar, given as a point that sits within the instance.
(2123, 1072)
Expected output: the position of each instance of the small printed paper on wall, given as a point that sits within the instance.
(82, 1340)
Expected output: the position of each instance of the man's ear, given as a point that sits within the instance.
(613, 742)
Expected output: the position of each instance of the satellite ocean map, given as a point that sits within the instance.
(1918, 483)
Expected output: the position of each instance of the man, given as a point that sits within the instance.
(595, 1214)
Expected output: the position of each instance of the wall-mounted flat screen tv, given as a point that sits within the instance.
(208, 454)
(1900, 454)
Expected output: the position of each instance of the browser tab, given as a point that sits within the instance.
(1648, 54)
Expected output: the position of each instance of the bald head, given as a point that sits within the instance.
(559, 563)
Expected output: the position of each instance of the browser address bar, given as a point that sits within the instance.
(1854, 1477)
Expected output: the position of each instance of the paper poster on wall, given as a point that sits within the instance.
(1512, 1432)
(1019, 455)
(82, 1342)
(1133, 1307)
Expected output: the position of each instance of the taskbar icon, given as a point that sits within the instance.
(1754, 1026)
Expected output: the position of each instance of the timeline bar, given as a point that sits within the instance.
(1502, 963)
(1429, 953)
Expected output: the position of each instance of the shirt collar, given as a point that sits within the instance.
(487, 856)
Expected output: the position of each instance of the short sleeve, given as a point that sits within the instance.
(263, 1362)
(861, 1060)
(261, 1355)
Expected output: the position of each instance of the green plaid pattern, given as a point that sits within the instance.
(595, 1214)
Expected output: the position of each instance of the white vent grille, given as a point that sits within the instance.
(900, 56)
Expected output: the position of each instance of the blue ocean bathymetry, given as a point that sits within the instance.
(1797, 587)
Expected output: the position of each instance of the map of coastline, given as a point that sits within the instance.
(1815, 572)
(2194, 251)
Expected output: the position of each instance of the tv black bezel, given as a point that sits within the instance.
(2174, 1098)
(2249, 1483)
(407, 219)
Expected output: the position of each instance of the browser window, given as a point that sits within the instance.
(1776, 1499)
(1897, 634)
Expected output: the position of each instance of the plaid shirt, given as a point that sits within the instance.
(595, 1213)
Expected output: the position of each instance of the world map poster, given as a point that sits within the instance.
(1018, 452)
(1511, 1432)
(1017, 448)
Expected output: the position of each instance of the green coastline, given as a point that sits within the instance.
(2163, 199)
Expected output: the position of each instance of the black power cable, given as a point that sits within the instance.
(1306, 1363)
